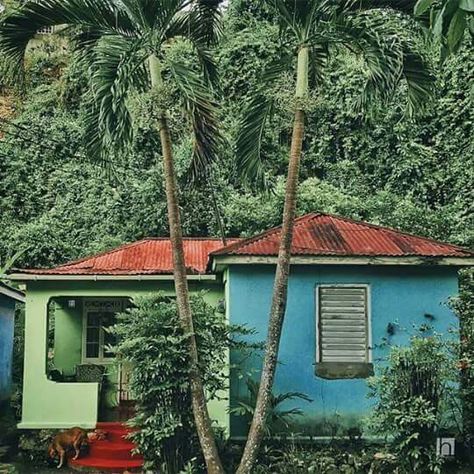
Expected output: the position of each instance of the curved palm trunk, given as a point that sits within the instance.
(280, 287)
(201, 414)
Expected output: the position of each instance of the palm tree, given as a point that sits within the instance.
(313, 30)
(126, 44)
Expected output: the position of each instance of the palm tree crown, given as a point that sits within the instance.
(116, 39)
(369, 30)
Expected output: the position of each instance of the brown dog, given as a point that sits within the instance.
(65, 441)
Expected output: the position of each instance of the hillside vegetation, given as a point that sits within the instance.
(414, 174)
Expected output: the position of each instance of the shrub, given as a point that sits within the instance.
(414, 393)
(278, 419)
(33, 447)
(464, 307)
(151, 339)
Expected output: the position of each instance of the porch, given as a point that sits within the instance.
(70, 376)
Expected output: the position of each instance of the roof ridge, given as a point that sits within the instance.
(250, 240)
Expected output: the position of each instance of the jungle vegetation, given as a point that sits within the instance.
(415, 174)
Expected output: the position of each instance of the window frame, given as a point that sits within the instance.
(368, 312)
(85, 311)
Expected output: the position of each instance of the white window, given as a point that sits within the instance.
(98, 316)
(343, 324)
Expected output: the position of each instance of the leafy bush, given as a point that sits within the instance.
(464, 307)
(151, 339)
(33, 446)
(278, 419)
(414, 393)
(291, 457)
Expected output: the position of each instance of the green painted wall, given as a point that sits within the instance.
(48, 404)
(67, 336)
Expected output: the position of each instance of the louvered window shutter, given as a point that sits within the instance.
(342, 324)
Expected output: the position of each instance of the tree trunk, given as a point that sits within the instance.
(280, 288)
(201, 414)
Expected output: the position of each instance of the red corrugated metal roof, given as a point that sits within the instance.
(146, 257)
(321, 234)
(315, 234)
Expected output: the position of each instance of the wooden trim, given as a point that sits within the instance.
(219, 261)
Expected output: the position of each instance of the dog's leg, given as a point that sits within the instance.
(62, 456)
(77, 447)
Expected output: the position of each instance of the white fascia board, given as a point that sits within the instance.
(13, 294)
(219, 262)
(50, 277)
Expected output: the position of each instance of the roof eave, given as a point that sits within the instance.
(12, 293)
(99, 277)
(219, 262)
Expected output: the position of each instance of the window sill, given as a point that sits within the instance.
(344, 370)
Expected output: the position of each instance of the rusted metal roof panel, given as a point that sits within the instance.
(145, 257)
(321, 234)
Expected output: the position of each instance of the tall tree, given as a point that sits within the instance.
(313, 30)
(126, 44)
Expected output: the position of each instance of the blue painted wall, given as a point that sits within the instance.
(398, 295)
(7, 317)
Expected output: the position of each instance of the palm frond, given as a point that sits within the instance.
(21, 25)
(251, 126)
(201, 110)
(283, 397)
(188, 25)
(153, 16)
(249, 139)
(388, 57)
(287, 17)
(206, 21)
(419, 79)
(319, 54)
(10, 262)
(118, 65)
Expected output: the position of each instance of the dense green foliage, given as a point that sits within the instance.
(415, 174)
(414, 401)
(463, 304)
(279, 420)
(150, 338)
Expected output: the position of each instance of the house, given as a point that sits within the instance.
(351, 284)
(8, 298)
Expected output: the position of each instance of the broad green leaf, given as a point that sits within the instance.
(456, 29)
(467, 5)
(422, 5)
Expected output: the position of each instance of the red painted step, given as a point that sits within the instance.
(113, 454)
